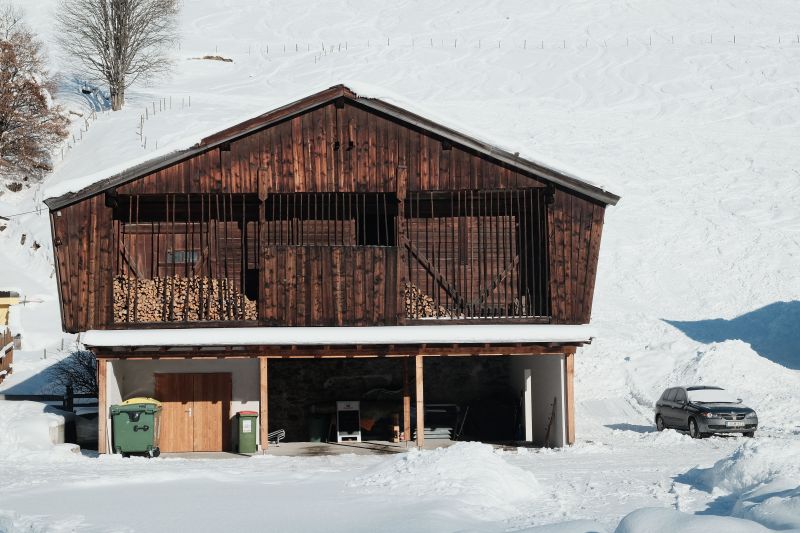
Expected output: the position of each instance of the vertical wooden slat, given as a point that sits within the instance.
(102, 406)
(569, 395)
(295, 148)
(263, 402)
(420, 399)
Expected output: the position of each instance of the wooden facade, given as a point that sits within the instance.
(335, 210)
(330, 211)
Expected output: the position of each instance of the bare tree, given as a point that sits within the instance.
(29, 124)
(118, 41)
(78, 370)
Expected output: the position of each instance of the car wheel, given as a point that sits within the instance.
(660, 423)
(749, 434)
(694, 431)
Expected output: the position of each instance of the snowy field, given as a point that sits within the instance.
(688, 110)
(651, 481)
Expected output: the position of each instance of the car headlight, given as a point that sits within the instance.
(709, 415)
(751, 414)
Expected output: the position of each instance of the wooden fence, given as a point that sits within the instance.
(6, 353)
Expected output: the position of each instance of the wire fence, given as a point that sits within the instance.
(323, 48)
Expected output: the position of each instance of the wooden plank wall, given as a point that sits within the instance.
(329, 285)
(328, 149)
(83, 246)
(575, 225)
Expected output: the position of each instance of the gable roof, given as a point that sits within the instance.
(543, 171)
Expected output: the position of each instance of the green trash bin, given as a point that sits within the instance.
(247, 422)
(135, 426)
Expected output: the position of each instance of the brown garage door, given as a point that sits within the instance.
(196, 411)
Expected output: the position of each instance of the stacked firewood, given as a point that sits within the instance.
(176, 298)
(421, 305)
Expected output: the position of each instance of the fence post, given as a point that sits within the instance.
(69, 398)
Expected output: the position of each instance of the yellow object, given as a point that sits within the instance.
(7, 299)
(141, 399)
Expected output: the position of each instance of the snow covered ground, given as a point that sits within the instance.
(467, 487)
(689, 110)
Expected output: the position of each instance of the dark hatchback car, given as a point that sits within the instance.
(703, 411)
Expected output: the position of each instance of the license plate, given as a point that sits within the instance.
(735, 424)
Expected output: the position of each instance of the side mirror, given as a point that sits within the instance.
(738, 400)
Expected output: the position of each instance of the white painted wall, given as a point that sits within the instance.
(130, 379)
(546, 384)
(113, 396)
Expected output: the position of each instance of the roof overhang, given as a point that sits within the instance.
(265, 120)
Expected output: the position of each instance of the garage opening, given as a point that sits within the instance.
(489, 399)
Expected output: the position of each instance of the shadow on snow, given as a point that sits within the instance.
(773, 331)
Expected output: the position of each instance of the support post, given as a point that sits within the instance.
(420, 403)
(406, 401)
(263, 403)
(102, 407)
(569, 395)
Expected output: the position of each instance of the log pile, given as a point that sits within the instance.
(170, 299)
(421, 305)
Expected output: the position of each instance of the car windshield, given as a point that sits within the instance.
(711, 396)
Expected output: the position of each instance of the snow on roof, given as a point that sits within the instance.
(256, 336)
(188, 136)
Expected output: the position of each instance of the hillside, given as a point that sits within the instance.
(689, 111)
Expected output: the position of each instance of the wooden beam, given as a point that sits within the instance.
(334, 352)
(569, 395)
(420, 397)
(406, 401)
(102, 407)
(263, 403)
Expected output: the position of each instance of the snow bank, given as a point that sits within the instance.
(573, 526)
(11, 522)
(475, 474)
(764, 478)
(29, 427)
(767, 387)
(661, 520)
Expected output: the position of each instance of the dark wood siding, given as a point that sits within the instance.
(83, 248)
(329, 285)
(332, 150)
(346, 148)
(575, 225)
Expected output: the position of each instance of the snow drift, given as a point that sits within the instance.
(475, 474)
(27, 427)
(767, 387)
(658, 520)
(764, 480)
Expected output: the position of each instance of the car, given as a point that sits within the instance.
(703, 411)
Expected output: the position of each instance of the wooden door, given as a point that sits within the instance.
(176, 393)
(195, 412)
(211, 412)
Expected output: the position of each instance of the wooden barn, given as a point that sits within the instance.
(337, 249)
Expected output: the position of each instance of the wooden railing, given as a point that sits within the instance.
(6, 353)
